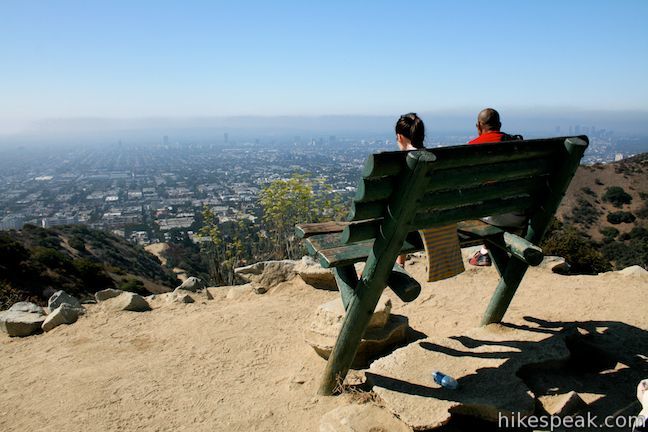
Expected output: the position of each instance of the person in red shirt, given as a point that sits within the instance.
(488, 127)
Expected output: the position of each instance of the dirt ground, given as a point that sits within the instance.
(242, 364)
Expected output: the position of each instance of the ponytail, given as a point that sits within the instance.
(412, 128)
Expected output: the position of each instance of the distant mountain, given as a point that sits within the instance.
(35, 262)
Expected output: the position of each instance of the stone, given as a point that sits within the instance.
(192, 284)
(485, 362)
(556, 264)
(238, 291)
(361, 418)
(562, 405)
(268, 273)
(374, 342)
(27, 307)
(183, 296)
(314, 275)
(64, 314)
(60, 297)
(331, 314)
(208, 295)
(259, 289)
(129, 302)
(107, 294)
(21, 324)
(634, 271)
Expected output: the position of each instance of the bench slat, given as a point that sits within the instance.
(310, 229)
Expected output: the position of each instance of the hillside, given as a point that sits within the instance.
(585, 205)
(35, 262)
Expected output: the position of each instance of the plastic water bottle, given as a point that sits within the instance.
(444, 380)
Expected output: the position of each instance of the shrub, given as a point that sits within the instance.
(617, 196)
(587, 190)
(134, 285)
(581, 253)
(609, 232)
(620, 217)
(77, 243)
(585, 213)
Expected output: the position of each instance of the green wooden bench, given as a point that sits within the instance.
(402, 192)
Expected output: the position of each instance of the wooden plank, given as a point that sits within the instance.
(310, 229)
(344, 254)
(488, 154)
(474, 211)
(370, 210)
(477, 228)
(459, 197)
(384, 164)
(374, 189)
(468, 177)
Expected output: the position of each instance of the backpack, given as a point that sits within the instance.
(507, 137)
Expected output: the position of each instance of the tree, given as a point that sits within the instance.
(224, 253)
(299, 199)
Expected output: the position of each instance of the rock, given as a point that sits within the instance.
(16, 323)
(60, 297)
(64, 314)
(556, 264)
(192, 284)
(259, 289)
(562, 405)
(107, 294)
(183, 296)
(485, 362)
(27, 307)
(332, 313)
(374, 341)
(238, 291)
(268, 273)
(314, 275)
(634, 271)
(208, 295)
(361, 418)
(129, 302)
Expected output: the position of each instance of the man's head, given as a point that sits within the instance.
(488, 120)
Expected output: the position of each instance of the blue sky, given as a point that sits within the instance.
(132, 59)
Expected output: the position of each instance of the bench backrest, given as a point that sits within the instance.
(452, 184)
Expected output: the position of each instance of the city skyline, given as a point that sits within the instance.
(72, 59)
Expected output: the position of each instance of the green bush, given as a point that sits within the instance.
(620, 217)
(617, 196)
(587, 190)
(609, 232)
(580, 252)
(584, 213)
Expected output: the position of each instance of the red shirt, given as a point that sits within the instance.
(488, 137)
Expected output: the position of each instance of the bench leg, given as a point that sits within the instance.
(346, 279)
(505, 291)
(359, 312)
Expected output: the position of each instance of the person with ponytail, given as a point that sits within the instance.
(441, 243)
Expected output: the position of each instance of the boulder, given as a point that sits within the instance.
(16, 323)
(634, 271)
(192, 284)
(27, 307)
(64, 314)
(314, 275)
(383, 333)
(556, 264)
(268, 273)
(129, 302)
(60, 297)
(356, 418)
(562, 405)
(107, 294)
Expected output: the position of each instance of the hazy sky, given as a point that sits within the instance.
(190, 58)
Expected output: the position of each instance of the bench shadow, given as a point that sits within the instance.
(606, 361)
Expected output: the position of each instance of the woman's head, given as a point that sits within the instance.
(410, 127)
